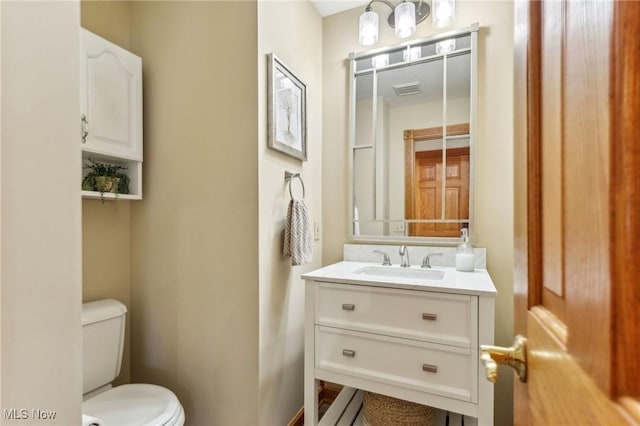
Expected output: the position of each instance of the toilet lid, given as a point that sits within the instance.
(134, 405)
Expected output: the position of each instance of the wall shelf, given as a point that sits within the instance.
(134, 171)
(347, 410)
(95, 195)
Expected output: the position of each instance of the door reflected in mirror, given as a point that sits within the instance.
(412, 139)
(436, 187)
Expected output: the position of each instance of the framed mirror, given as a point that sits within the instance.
(412, 139)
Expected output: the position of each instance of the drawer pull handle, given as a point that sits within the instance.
(348, 307)
(349, 353)
(430, 317)
(430, 368)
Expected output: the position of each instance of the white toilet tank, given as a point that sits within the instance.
(103, 340)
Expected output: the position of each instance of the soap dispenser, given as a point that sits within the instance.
(465, 258)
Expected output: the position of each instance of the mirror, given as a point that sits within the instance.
(412, 124)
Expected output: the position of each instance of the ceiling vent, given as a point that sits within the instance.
(407, 89)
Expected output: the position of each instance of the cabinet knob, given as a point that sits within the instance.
(348, 307)
(429, 368)
(84, 127)
(429, 317)
(349, 353)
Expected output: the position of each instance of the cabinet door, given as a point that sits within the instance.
(111, 98)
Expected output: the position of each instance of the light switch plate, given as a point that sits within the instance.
(316, 230)
(398, 227)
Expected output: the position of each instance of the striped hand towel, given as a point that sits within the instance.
(297, 233)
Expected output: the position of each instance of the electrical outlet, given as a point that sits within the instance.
(398, 227)
(316, 230)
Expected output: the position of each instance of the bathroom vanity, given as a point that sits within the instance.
(409, 333)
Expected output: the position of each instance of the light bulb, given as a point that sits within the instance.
(405, 14)
(412, 53)
(368, 30)
(446, 46)
(380, 61)
(444, 13)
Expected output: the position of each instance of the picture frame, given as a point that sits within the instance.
(287, 110)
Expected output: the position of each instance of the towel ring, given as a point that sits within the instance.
(289, 177)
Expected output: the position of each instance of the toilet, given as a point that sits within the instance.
(136, 404)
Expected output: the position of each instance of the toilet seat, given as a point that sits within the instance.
(136, 405)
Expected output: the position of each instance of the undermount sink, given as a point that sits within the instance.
(393, 272)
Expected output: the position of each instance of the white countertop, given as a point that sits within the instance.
(473, 283)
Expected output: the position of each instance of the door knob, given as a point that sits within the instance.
(514, 356)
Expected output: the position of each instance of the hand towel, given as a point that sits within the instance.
(297, 233)
(91, 421)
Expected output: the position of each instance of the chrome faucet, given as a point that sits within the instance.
(404, 257)
(386, 261)
(427, 258)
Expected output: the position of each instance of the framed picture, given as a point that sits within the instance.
(287, 98)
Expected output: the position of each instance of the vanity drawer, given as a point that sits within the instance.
(428, 316)
(436, 369)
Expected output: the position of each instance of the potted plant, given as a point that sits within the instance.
(105, 177)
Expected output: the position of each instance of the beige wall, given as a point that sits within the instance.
(109, 19)
(106, 261)
(40, 218)
(299, 45)
(494, 178)
(281, 306)
(105, 226)
(494, 175)
(194, 236)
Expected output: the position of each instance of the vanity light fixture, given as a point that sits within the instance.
(404, 18)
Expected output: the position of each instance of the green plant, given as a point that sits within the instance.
(104, 169)
(105, 177)
(123, 185)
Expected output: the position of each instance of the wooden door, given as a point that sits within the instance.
(577, 211)
(428, 196)
(424, 173)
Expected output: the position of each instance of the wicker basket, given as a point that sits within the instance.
(380, 410)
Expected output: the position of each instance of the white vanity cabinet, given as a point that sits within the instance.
(111, 108)
(412, 339)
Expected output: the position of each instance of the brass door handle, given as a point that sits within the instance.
(514, 356)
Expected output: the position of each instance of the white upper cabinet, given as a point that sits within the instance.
(111, 98)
